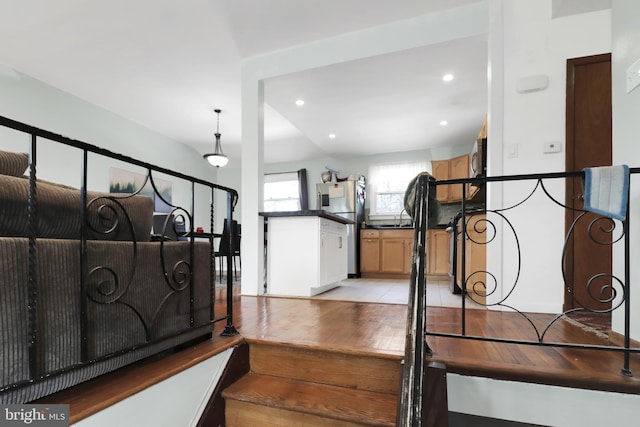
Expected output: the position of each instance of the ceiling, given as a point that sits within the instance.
(166, 65)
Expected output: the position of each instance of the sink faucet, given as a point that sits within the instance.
(400, 220)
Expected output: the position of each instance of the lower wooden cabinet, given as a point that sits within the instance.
(396, 254)
(438, 252)
(389, 253)
(369, 251)
(386, 253)
(408, 259)
(475, 259)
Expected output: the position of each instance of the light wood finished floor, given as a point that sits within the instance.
(364, 327)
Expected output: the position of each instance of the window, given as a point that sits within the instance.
(285, 191)
(388, 183)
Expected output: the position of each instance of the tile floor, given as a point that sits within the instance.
(391, 291)
(386, 291)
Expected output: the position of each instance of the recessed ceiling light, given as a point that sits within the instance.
(444, 123)
(332, 136)
(447, 77)
(300, 102)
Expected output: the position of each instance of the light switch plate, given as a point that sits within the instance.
(633, 76)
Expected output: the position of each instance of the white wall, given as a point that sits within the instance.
(228, 177)
(357, 165)
(626, 131)
(536, 44)
(176, 401)
(33, 102)
(540, 404)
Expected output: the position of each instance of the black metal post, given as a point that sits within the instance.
(84, 263)
(32, 287)
(416, 348)
(192, 252)
(229, 329)
(463, 263)
(212, 256)
(627, 291)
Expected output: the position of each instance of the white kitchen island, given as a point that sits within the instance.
(306, 252)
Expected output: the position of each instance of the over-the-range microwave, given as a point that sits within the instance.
(478, 159)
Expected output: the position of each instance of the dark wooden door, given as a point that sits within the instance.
(588, 145)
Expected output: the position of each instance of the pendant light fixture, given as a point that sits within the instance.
(217, 158)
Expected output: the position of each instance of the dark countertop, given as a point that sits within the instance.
(403, 227)
(388, 227)
(319, 213)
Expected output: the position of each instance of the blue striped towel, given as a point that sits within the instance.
(606, 190)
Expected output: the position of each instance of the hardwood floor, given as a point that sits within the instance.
(378, 328)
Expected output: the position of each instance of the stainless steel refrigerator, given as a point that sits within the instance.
(346, 199)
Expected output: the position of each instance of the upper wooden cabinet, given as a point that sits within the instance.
(441, 170)
(455, 168)
(483, 130)
(459, 169)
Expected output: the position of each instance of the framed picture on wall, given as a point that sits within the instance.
(123, 181)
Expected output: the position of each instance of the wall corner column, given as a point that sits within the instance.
(251, 183)
(495, 123)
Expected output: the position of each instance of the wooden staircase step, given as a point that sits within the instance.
(357, 370)
(264, 400)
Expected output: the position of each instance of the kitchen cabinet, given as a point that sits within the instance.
(441, 171)
(475, 259)
(455, 168)
(333, 243)
(306, 255)
(392, 259)
(459, 169)
(408, 258)
(386, 253)
(482, 134)
(438, 252)
(369, 251)
(389, 253)
(395, 251)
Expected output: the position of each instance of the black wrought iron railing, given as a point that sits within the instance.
(589, 288)
(410, 402)
(87, 287)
